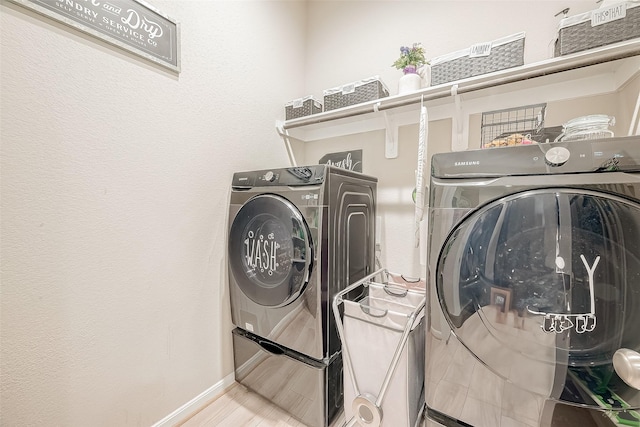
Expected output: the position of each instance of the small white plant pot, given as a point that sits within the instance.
(410, 82)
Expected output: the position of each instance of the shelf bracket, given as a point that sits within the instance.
(286, 138)
(391, 134)
(458, 138)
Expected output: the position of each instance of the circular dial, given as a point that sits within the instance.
(269, 176)
(557, 156)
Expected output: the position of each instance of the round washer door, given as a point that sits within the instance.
(270, 251)
(543, 286)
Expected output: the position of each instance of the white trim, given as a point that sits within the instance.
(196, 403)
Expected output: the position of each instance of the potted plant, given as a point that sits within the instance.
(411, 61)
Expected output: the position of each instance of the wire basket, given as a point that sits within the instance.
(513, 126)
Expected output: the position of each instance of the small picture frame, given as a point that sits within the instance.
(501, 298)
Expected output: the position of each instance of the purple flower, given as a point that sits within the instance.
(409, 69)
(410, 58)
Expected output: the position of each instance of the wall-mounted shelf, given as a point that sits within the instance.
(596, 71)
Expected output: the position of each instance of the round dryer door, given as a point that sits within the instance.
(543, 287)
(270, 251)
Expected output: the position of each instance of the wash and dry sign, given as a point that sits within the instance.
(350, 160)
(129, 24)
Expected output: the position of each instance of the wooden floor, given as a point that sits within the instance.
(239, 407)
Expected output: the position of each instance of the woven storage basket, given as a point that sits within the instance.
(578, 33)
(504, 53)
(302, 107)
(355, 93)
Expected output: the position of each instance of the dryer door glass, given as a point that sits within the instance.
(544, 288)
(270, 250)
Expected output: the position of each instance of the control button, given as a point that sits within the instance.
(269, 176)
(557, 156)
(302, 173)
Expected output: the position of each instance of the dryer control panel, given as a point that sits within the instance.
(603, 155)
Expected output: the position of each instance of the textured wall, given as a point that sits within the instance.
(115, 180)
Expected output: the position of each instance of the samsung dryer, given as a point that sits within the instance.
(534, 274)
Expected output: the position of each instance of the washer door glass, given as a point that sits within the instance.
(270, 250)
(544, 288)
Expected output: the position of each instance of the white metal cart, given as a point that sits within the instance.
(385, 328)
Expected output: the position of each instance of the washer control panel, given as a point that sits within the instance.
(293, 176)
(601, 155)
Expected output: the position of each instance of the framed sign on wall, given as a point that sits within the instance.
(350, 160)
(132, 25)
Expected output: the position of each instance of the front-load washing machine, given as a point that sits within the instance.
(296, 237)
(534, 275)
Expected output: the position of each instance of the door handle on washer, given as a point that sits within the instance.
(626, 362)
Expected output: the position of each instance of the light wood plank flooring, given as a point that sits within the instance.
(239, 407)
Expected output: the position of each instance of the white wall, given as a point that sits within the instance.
(115, 180)
(351, 40)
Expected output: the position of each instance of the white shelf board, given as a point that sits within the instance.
(596, 71)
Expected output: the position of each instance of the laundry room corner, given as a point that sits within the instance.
(115, 185)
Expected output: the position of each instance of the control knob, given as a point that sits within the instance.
(269, 176)
(557, 156)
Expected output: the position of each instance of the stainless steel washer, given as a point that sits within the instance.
(534, 274)
(297, 236)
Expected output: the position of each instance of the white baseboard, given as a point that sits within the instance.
(196, 403)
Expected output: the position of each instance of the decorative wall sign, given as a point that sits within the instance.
(132, 25)
(350, 160)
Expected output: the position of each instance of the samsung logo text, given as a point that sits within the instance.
(469, 163)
